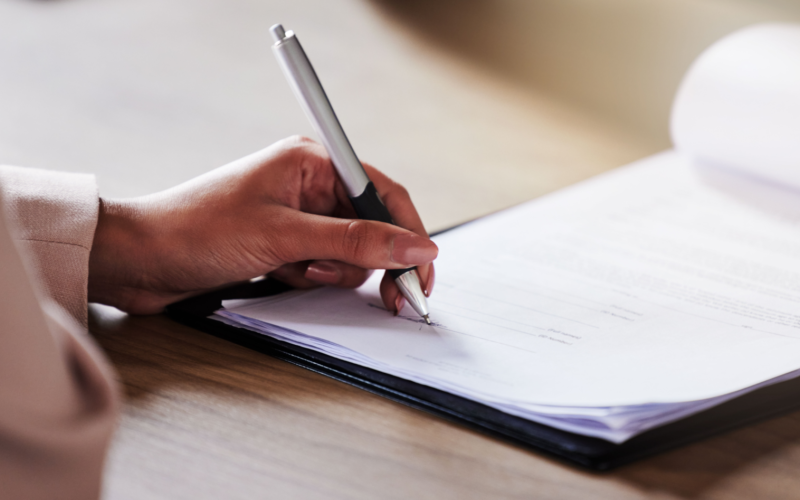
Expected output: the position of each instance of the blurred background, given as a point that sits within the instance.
(474, 105)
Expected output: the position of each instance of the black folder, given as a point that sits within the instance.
(588, 452)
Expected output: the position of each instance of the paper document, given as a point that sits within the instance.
(619, 304)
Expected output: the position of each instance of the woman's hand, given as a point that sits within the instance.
(281, 211)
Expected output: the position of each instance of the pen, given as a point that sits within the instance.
(362, 193)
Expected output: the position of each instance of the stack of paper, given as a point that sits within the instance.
(626, 302)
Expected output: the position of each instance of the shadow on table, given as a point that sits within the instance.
(689, 471)
(153, 354)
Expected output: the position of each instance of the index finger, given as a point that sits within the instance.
(397, 200)
(405, 215)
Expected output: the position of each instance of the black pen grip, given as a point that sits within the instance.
(369, 206)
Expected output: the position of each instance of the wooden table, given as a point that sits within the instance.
(147, 93)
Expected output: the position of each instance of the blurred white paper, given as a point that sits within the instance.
(739, 105)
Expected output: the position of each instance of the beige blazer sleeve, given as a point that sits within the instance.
(58, 401)
(55, 214)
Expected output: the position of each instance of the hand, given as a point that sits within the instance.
(281, 211)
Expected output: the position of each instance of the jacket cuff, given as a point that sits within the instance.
(54, 216)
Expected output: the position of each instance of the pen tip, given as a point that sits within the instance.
(427, 319)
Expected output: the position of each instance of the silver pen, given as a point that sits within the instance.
(365, 198)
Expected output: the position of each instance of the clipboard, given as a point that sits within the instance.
(586, 452)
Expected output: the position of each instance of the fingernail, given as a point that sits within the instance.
(399, 302)
(413, 250)
(321, 272)
(429, 283)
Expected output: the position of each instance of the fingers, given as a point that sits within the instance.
(339, 274)
(428, 276)
(339, 247)
(322, 272)
(293, 274)
(397, 200)
(393, 300)
(361, 243)
(390, 294)
(399, 203)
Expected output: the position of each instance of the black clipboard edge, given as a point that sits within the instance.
(288, 353)
(590, 453)
(586, 452)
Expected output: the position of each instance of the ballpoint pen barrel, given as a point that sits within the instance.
(306, 86)
(363, 195)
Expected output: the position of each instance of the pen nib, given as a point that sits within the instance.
(427, 319)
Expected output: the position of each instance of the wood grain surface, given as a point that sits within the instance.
(148, 93)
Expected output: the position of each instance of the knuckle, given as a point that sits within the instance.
(298, 147)
(401, 191)
(306, 153)
(300, 140)
(356, 240)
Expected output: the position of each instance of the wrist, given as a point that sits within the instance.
(117, 249)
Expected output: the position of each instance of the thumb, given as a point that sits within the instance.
(363, 243)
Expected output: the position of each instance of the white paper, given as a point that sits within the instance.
(619, 304)
(739, 105)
